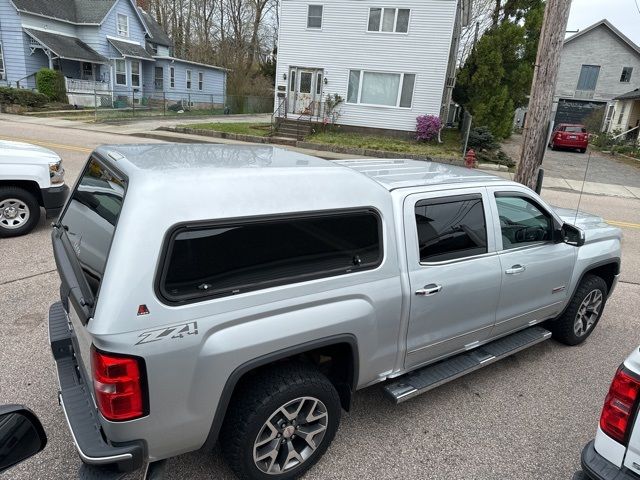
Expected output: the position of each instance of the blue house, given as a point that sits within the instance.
(109, 51)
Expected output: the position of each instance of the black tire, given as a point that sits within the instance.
(563, 327)
(29, 202)
(553, 146)
(260, 397)
(583, 150)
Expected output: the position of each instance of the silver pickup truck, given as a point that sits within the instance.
(243, 294)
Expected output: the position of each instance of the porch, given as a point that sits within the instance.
(626, 119)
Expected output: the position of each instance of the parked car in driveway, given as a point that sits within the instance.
(615, 452)
(569, 136)
(31, 177)
(243, 294)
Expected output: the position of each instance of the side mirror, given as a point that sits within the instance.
(572, 235)
(21, 435)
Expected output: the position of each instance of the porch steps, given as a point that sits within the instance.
(427, 378)
(293, 129)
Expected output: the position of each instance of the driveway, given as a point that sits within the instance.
(571, 165)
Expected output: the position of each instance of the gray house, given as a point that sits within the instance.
(107, 49)
(598, 65)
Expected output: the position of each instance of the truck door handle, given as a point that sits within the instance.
(515, 269)
(429, 290)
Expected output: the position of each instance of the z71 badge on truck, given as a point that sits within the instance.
(245, 293)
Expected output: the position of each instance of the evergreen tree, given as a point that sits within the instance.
(496, 77)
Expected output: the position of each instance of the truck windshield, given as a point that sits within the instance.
(90, 219)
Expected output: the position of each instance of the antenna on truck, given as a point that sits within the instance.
(584, 180)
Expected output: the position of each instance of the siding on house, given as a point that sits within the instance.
(343, 43)
(48, 24)
(214, 82)
(12, 43)
(599, 47)
(109, 28)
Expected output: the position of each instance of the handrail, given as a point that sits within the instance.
(308, 112)
(281, 103)
(624, 133)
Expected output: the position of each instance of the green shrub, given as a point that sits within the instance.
(23, 97)
(481, 138)
(51, 83)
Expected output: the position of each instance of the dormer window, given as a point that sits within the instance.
(123, 25)
(154, 48)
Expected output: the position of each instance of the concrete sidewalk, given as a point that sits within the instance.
(147, 128)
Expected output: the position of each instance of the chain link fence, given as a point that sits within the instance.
(114, 105)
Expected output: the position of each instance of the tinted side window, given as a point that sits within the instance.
(522, 222)
(451, 228)
(233, 258)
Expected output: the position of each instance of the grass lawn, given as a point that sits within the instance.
(450, 148)
(258, 129)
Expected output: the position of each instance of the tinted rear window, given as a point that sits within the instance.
(451, 228)
(575, 129)
(237, 257)
(91, 216)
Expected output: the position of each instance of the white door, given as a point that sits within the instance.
(305, 91)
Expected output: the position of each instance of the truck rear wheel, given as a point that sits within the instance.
(280, 423)
(583, 313)
(19, 212)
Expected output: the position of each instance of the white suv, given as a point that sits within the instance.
(30, 177)
(615, 452)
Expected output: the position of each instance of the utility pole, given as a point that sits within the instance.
(545, 73)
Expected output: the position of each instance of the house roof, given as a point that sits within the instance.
(632, 95)
(73, 11)
(67, 47)
(128, 49)
(154, 29)
(613, 29)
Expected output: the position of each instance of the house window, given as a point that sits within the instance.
(121, 72)
(158, 81)
(626, 74)
(123, 25)
(3, 75)
(292, 83)
(314, 16)
(87, 71)
(135, 74)
(188, 77)
(389, 20)
(381, 88)
(172, 77)
(319, 83)
(588, 77)
(200, 81)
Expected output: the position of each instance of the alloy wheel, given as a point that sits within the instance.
(588, 313)
(290, 436)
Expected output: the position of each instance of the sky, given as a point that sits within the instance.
(623, 14)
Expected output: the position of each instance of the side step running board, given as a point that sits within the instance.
(432, 376)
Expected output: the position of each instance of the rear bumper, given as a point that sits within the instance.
(53, 199)
(78, 405)
(570, 144)
(596, 467)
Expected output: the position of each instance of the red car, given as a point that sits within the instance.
(569, 136)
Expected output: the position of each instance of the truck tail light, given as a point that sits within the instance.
(619, 405)
(119, 385)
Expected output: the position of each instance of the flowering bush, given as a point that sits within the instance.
(427, 127)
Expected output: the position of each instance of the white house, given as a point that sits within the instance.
(388, 62)
(597, 65)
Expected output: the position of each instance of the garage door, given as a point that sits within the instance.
(576, 111)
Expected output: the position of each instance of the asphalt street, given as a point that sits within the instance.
(526, 417)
